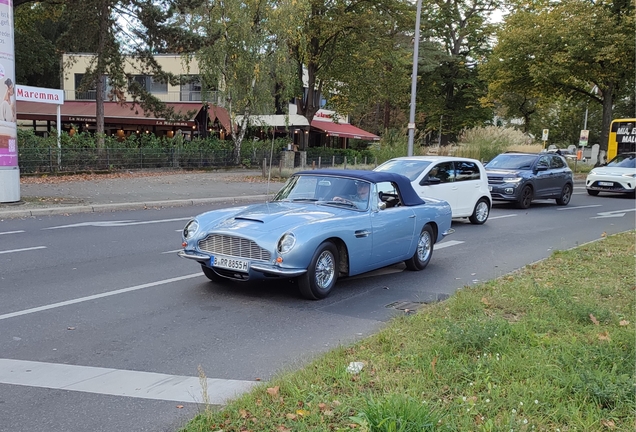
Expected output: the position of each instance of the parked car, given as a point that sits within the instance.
(523, 177)
(318, 228)
(618, 176)
(462, 182)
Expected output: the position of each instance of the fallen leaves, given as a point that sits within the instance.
(594, 320)
(604, 336)
(623, 323)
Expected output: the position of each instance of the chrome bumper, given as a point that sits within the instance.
(194, 256)
(259, 267)
(448, 231)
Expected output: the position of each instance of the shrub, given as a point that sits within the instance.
(485, 143)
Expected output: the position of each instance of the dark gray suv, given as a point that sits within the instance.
(523, 177)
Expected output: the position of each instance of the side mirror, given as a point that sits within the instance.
(381, 205)
(430, 181)
(541, 168)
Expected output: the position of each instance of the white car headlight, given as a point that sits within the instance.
(190, 229)
(592, 172)
(629, 175)
(513, 180)
(286, 243)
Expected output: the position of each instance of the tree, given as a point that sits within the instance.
(37, 57)
(119, 31)
(339, 47)
(458, 33)
(243, 58)
(575, 49)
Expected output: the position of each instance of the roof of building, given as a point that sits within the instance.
(114, 112)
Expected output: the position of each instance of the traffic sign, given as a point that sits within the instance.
(545, 135)
(583, 139)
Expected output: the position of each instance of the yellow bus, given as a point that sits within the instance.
(622, 137)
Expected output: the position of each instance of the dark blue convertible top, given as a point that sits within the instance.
(407, 193)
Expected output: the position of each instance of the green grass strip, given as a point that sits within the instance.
(548, 348)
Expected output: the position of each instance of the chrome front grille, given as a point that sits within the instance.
(495, 180)
(233, 246)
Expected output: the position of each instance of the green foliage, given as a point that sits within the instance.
(484, 143)
(475, 335)
(396, 413)
(546, 51)
(392, 144)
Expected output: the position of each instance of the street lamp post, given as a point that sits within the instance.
(416, 49)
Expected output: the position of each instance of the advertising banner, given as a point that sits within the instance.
(8, 129)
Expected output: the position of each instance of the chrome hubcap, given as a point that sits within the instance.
(424, 246)
(481, 211)
(325, 270)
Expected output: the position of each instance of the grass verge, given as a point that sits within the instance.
(548, 348)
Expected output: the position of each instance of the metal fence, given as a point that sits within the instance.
(76, 159)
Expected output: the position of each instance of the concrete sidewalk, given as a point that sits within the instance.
(135, 190)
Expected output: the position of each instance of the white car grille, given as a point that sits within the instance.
(233, 246)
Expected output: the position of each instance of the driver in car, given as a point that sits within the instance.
(361, 197)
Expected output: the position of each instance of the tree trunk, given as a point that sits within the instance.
(608, 99)
(104, 25)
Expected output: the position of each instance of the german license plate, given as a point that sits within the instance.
(230, 263)
(605, 184)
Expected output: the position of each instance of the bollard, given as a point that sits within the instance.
(319, 158)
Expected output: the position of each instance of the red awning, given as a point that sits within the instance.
(343, 130)
(115, 113)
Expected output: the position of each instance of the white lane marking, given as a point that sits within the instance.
(612, 214)
(117, 382)
(502, 216)
(447, 244)
(174, 251)
(98, 296)
(22, 250)
(117, 223)
(11, 232)
(580, 207)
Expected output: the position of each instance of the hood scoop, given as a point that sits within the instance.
(243, 218)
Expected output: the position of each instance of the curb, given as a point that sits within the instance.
(94, 208)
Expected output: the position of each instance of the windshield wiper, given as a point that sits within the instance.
(304, 200)
(339, 203)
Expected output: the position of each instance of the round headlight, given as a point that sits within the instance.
(190, 228)
(286, 243)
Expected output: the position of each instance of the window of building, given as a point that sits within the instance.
(90, 92)
(151, 85)
(191, 88)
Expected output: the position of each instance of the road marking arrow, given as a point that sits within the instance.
(613, 214)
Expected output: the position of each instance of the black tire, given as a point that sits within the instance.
(525, 198)
(481, 212)
(424, 250)
(592, 192)
(322, 273)
(212, 275)
(566, 195)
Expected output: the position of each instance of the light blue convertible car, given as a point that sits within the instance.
(321, 225)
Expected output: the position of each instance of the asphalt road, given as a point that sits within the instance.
(104, 328)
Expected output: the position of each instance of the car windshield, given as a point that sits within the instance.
(409, 168)
(337, 191)
(623, 161)
(510, 161)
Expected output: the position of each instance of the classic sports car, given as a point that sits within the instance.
(319, 227)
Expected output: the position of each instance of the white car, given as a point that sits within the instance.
(462, 182)
(618, 176)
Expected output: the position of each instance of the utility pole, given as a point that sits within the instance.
(416, 52)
